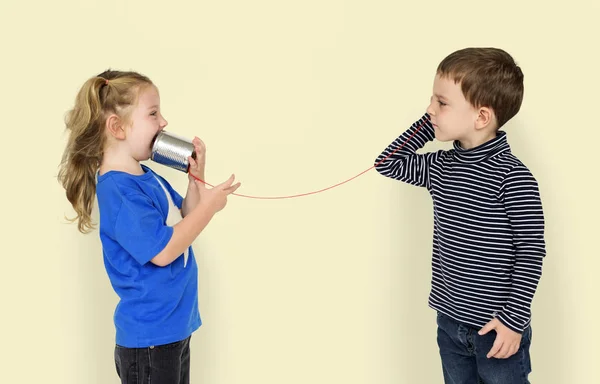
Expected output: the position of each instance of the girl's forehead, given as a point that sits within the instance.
(149, 96)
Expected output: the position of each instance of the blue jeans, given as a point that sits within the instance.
(463, 352)
(160, 364)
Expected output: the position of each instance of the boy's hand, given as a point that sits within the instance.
(507, 341)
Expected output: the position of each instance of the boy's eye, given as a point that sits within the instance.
(441, 103)
(153, 113)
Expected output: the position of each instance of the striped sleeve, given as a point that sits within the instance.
(401, 162)
(521, 198)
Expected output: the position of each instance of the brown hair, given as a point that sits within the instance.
(99, 97)
(489, 77)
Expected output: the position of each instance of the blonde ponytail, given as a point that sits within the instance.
(109, 92)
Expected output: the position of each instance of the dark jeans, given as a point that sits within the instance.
(463, 352)
(160, 364)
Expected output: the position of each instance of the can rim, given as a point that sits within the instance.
(155, 142)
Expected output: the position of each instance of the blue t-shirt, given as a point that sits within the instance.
(158, 305)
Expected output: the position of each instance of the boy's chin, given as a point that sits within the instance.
(441, 137)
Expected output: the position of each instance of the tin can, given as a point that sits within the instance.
(172, 150)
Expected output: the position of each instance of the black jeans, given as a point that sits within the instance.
(160, 364)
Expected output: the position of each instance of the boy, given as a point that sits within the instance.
(488, 240)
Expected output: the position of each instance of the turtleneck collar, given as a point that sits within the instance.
(493, 147)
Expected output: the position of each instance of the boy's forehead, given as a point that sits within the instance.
(445, 86)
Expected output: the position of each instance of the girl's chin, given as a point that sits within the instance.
(144, 157)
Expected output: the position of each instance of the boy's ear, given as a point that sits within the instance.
(115, 128)
(485, 118)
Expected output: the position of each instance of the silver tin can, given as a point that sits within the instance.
(172, 150)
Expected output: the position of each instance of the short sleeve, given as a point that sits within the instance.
(140, 228)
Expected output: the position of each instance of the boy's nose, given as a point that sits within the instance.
(430, 106)
(430, 109)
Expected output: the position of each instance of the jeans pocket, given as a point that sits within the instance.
(175, 345)
(441, 318)
(526, 336)
(117, 361)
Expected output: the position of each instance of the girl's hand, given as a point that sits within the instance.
(197, 166)
(215, 199)
(192, 197)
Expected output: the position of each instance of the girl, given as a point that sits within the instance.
(146, 227)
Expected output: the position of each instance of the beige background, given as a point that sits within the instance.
(292, 97)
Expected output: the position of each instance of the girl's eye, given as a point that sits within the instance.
(153, 113)
(441, 103)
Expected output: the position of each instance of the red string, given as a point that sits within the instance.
(324, 189)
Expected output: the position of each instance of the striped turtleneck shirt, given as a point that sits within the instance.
(488, 233)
